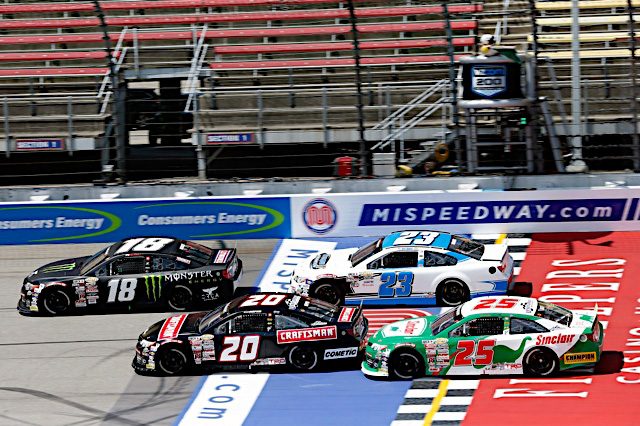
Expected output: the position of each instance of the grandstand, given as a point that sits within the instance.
(266, 85)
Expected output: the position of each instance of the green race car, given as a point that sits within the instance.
(487, 335)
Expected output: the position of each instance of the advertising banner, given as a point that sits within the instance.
(372, 214)
(105, 221)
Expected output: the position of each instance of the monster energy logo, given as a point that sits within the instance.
(153, 282)
(59, 268)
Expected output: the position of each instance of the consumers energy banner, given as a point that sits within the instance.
(104, 221)
(373, 214)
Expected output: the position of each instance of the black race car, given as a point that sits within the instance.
(254, 331)
(134, 274)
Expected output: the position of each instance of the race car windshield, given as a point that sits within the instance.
(554, 313)
(207, 320)
(366, 251)
(466, 246)
(94, 261)
(445, 320)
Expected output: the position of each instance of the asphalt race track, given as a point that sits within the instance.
(77, 370)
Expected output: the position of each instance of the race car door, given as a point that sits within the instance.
(239, 340)
(435, 264)
(118, 280)
(472, 342)
(395, 273)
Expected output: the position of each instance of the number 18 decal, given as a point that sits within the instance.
(240, 348)
(470, 352)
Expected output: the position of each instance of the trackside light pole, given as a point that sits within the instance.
(634, 90)
(453, 87)
(364, 154)
(115, 89)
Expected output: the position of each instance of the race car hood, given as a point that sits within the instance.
(494, 252)
(172, 327)
(419, 328)
(337, 262)
(59, 269)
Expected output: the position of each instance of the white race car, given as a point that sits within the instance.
(410, 267)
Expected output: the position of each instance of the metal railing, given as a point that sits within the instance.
(397, 124)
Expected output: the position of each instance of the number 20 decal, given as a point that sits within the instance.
(470, 352)
(240, 348)
(389, 279)
(264, 300)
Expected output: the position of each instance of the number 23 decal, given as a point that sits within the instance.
(389, 279)
(471, 352)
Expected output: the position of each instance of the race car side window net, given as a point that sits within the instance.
(284, 322)
(525, 326)
(400, 259)
(438, 259)
(249, 323)
(479, 327)
(128, 265)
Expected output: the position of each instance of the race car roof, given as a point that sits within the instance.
(499, 305)
(173, 246)
(266, 302)
(421, 238)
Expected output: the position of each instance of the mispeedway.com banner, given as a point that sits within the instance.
(374, 214)
(337, 215)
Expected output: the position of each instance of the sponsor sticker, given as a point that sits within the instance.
(552, 340)
(339, 353)
(346, 314)
(221, 256)
(489, 80)
(171, 327)
(579, 357)
(319, 216)
(307, 334)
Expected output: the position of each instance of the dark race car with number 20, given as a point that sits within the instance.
(254, 332)
(155, 273)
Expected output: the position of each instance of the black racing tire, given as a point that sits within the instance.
(540, 362)
(55, 301)
(452, 292)
(328, 291)
(180, 298)
(303, 358)
(172, 360)
(406, 364)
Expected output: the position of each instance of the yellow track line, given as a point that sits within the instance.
(501, 238)
(435, 405)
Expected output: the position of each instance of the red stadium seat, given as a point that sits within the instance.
(51, 56)
(181, 4)
(52, 72)
(239, 33)
(328, 63)
(331, 47)
(213, 18)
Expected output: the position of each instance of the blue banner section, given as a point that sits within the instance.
(586, 210)
(111, 221)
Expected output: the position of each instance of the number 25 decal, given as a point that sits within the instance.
(240, 348)
(497, 303)
(389, 279)
(470, 352)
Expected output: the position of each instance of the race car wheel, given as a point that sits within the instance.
(452, 292)
(180, 298)
(540, 362)
(172, 360)
(55, 301)
(406, 364)
(329, 292)
(303, 358)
